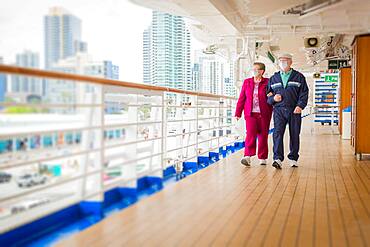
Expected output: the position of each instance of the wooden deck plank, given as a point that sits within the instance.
(357, 204)
(291, 226)
(206, 233)
(325, 202)
(179, 211)
(234, 220)
(138, 213)
(337, 228)
(222, 193)
(362, 177)
(322, 225)
(363, 194)
(250, 223)
(204, 220)
(365, 166)
(252, 204)
(306, 232)
(278, 216)
(354, 234)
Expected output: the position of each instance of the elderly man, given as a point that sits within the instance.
(288, 94)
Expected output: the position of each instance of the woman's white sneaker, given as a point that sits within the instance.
(246, 160)
(263, 162)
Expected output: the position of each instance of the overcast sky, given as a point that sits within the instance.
(112, 28)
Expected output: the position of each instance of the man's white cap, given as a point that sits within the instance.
(285, 55)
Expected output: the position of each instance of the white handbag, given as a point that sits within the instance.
(240, 127)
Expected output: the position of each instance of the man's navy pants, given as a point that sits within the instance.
(282, 117)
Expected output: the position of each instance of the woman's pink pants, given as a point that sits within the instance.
(257, 129)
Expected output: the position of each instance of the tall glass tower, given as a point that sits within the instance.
(166, 52)
(25, 84)
(62, 35)
(3, 85)
(211, 73)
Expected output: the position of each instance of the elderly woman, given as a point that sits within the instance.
(257, 114)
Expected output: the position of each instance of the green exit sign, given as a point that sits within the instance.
(331, 78)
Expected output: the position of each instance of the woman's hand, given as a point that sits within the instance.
(237, 118)
(277, 98)
(297, 110)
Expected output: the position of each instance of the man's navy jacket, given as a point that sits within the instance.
(295, 94)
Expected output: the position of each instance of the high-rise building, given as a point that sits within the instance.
(232, 72)
(23, 84)
(62, 32)
(81, 63)
(84, 64)
(213, 74)
(80, 47)
(166, 52)
(229, 85)
(147, 56)
(110, 70)
(3, 85)
(196, 76)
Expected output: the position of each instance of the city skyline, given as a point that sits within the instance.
(64, 51)
(76, 28)
(107, 28)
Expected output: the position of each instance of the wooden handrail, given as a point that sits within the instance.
(10, 69)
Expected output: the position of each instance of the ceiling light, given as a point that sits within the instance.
(316, 9)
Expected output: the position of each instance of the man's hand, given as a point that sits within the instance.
(297, 110)
(277, 98)
(270, 94)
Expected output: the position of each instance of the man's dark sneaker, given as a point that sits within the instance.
(277, 164)
(293, 163)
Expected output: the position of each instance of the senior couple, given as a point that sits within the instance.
(286, 95)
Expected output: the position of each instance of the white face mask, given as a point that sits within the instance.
(255, 73)
(283, 65)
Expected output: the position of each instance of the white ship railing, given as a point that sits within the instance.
(110, 134)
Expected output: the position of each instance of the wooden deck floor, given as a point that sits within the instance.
(324, 202)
